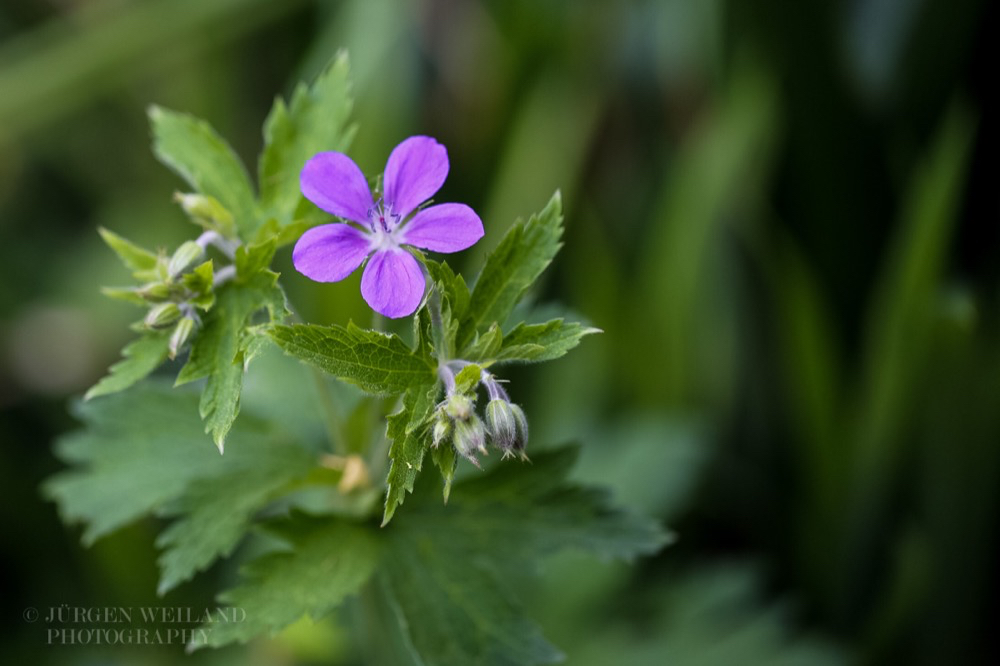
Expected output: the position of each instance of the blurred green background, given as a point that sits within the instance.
(780, 214)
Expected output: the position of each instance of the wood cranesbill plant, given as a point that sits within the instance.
(314, 460)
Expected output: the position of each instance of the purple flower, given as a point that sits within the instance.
(393, 282)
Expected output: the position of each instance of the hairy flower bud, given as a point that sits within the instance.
(180, 335)
(458, 407)
(207, 212)
(162, 315)
(182, 258)
(442, 430)
(470, 437)
(155, 291)
(502, 425)
(521, 441)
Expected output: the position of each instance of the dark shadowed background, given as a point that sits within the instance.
(780, 213)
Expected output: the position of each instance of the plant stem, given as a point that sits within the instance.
(439, 338)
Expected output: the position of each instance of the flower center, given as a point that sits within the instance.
(381, 217)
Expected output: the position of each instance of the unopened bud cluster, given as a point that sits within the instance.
(178, 285)
(505, 427)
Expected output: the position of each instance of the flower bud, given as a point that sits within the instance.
(155, 291)
(521, 441)
(162, 315)
(442, 430)
(458, 407)
(185, 254)
(207, 212)
(180, 335)
(470, 437)
(502, 425)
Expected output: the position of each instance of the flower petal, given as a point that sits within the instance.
(330, 252)
(393, 284)
(334, 182)
(416, 170)
(446, 227)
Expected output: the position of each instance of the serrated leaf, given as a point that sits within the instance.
(446, 459)
(519, 512)
(143, 448)
(452, 287)
(407, 434)
(140, 261)
(316, 120)
(378, 363)
(455, 610)
(542, 342)
(485, 346)
(449, 599)
(200, 282)
(328, 560)
(254, 258)
(215, 513)
(526, 250)
(193, 150)
(217, 351)
(139, 358)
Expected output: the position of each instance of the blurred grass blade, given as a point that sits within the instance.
(902, 312)
(717, 169)
(51, 72)
(809, 353)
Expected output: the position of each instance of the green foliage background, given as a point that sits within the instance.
(780, 216)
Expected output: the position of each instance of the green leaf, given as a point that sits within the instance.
(519, 512)
(315, 120)
(217, 512)
(485, 345)
(542, 342)
(139, 358)
(456, 610)
(327, 560)
(141, 262)
(468, 378)
(200, 281)
(218, 350)
(710, 615)
(451, 285)
(254, 258)
(193, 150)
(446, 459)
(407, 433)
(449, 598)
(378, 363)
(142, 449)
(526, 250)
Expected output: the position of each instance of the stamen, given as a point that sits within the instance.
(382, 212)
